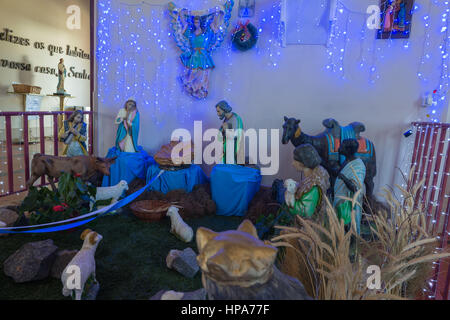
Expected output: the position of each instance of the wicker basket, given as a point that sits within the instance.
(150, 210)
(25, 88)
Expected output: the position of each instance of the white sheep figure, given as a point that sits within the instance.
(178, 226)
(289, 194)
(83, 265)
(114, 192)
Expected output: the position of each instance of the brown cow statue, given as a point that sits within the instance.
(52, 166)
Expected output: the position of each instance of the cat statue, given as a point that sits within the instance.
(237, 265)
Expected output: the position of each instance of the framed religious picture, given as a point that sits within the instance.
(396, 17)
(246, 8)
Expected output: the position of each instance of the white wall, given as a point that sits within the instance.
(299, 87)
(43, 21)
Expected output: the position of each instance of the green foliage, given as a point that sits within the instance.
(265, 224)
(72, 199)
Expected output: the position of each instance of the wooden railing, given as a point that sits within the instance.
(9, 146)
(431, 161)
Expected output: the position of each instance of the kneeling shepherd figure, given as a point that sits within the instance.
(311, 192)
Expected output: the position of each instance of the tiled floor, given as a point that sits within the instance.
(19, 165)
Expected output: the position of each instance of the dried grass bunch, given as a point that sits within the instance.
(323, 258)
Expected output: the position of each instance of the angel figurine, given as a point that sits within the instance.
(198, 34)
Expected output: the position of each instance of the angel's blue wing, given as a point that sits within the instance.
(181, 39)
(218, 36)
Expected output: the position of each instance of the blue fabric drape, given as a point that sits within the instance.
(185, 179)
(233, 188)
(128, 166)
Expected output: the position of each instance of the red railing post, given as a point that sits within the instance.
(42, 140)
(9, 154)
(55, 135)
(26, 148)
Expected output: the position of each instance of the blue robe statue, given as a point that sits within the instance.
(128, 130)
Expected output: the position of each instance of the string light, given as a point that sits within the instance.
(137, 58)
(271, 33)
(339, 39)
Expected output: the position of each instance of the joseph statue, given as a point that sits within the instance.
(231, 134)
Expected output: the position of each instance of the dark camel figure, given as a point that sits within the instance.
(293, 133)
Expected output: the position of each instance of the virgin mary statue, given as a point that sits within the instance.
(128, 130)
(198, 34)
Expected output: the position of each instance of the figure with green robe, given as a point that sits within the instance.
(308, 198)
(128, 130)
(231, 133)
(349, 181)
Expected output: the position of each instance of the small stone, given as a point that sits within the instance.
(9, 218)
(31, 262)
(172, 295)
(63, 257)
(185, 262)
(199, 294)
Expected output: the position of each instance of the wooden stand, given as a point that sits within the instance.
(61, 106)
(24, 99)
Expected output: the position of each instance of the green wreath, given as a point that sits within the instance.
(245, 37)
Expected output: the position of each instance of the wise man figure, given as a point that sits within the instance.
(349, 181)
(62, 73)
(231, 133)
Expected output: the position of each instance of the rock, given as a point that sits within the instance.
(31, 262)
(172, 295)
(185, 262)
(9, 218)
(63, 257)
(199, 294)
